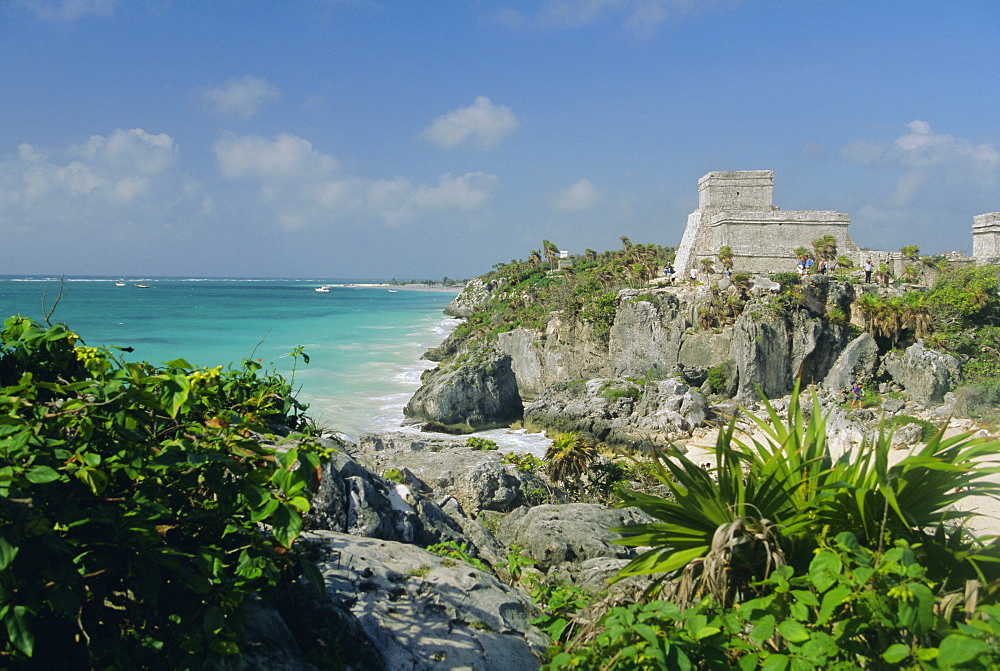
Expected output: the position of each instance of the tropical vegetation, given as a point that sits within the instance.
(140, 509)
(784, 555)
(527, 291)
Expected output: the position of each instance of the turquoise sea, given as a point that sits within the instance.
(364, 344)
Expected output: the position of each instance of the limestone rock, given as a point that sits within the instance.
(646, 334)
(480, 393)
(477, 479)
(857, 360)
(762, 352)
(423, 611)
(523, 348)
(351, 499)
(662, 410)
(475, 294)
(557, 535)
(925, 374)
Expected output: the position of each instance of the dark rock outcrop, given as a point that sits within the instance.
(480, 393)
(556, 535)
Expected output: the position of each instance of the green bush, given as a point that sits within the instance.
(483, 444)
(850, 608)
(132, 499)
(719, 376)
(927, 429)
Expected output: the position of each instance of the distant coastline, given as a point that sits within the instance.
(418, 286)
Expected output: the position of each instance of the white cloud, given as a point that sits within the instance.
(69, 10)
(113, 198)
(481, 124)
(927, 158)
(922, 147)
(283, 159)
(113, 170)
(467, 192)
(304, 187)
(241, 97)
(926, 182)
(579, 197)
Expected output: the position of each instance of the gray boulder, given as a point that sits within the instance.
(423, 611)
(479, 393)
(925, 374)
(351, 499)
(661, 411)
(566, 535)
(475, 294)
(477, 479)
(762, 352)
(857, 360)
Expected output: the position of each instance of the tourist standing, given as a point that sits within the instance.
(694, 276)
(856, 390)
(868, 271)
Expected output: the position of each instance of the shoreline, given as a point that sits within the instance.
(400, 287)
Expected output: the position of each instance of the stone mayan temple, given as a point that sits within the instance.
(735, 210)
(986, 238)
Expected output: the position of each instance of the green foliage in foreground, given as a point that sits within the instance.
(850, 608)
(767, 501)
(784, 557)
(133, 500)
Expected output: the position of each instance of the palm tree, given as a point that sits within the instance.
(535, 257)
(707, 266)
(826, 248)
(569, 456)
(726, 257)
(911, 252)
(551, 252)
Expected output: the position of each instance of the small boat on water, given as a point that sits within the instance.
(393, 291)
(141, 286)
(120, 283)
(324, 289)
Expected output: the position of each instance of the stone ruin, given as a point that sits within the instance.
(986, 238)
(735, 210)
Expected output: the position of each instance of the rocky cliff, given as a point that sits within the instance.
(672, 346)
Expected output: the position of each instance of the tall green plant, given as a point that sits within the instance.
(768, 500)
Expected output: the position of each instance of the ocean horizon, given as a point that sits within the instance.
(364, 342)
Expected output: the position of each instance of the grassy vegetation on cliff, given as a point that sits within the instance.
(585, 286)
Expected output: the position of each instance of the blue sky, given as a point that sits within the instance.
(415, 139)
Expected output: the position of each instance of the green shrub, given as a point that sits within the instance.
(719, 376)
(457, 551)
(774, 495)
(131, 499)
(850, 608)
(482, 444)
(927, 429)
(613, 391)
(526, 463)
